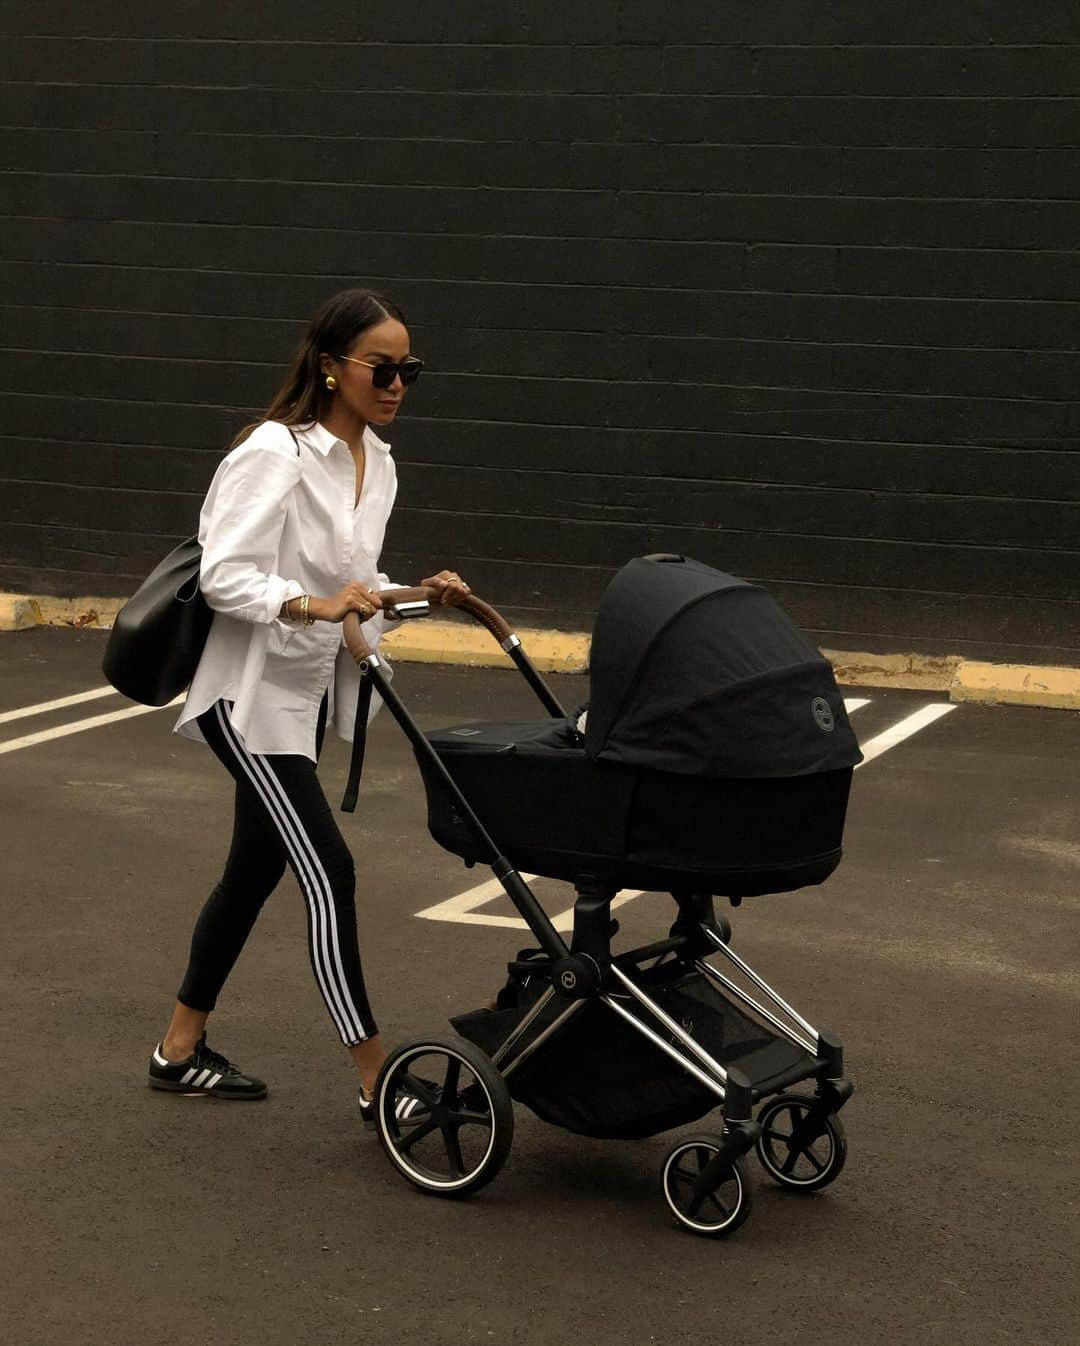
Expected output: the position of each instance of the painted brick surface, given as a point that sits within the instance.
(792, 288)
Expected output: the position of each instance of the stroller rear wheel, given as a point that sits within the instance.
(443, 1114)
(714, 1213)
(796, 1151)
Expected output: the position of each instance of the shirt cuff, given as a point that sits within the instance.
(279, 591)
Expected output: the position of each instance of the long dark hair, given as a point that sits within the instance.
(304, 396)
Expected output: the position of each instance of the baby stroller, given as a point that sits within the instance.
(716, 760)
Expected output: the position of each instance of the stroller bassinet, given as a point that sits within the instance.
(717, 755)
(716, 759)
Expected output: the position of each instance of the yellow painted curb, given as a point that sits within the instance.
(17, 612)
(1017, 685)
(462, 642)
(458, 642)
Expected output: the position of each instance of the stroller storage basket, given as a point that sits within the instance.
(598, 1077)
(558, 813)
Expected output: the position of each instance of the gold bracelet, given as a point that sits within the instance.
(304, 615)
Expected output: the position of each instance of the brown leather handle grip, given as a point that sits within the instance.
(355, 638)
(487, 616)
(482, 612)
(420, 594)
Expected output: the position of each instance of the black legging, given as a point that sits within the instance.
(282, 817)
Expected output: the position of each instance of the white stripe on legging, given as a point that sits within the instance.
(314, 881)
(305, 871)
(329, 910)
(308, 884)
(335, 969)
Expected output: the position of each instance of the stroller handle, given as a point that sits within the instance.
(424, 599)
(392, 598)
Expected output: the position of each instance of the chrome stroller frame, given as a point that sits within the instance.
(587, 971)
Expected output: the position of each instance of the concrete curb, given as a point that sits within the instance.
(51, 611)
(457, 642)
(17, 612)
(915, 672)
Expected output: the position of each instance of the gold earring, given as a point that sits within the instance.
(331, 382)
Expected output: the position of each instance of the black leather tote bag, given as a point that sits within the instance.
(158, 637)
(159, 633)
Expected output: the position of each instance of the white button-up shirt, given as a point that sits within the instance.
(278, 523)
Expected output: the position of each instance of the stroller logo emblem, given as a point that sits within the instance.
(569, 981)
(822, 713)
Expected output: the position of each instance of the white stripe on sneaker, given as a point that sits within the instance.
(305, 873)
(186, 1079)
(161, 1060)
(212, 1081)
(200, 1079)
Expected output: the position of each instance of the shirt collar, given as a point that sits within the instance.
(318, 437)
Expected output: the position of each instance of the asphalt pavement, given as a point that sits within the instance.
(943, 951)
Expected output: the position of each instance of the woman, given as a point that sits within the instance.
(291, 530)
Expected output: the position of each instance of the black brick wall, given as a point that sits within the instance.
(793, 288)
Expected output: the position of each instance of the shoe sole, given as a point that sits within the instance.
(175, 1087)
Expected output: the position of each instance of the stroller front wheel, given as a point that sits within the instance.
(714, 1213)
(444, 1115)
(797, 1152)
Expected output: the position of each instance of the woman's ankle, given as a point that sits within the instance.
(368, 1057)
(185, 1028)
(368, 1079)
(177, 1049)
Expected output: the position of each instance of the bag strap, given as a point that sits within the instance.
(359, 743)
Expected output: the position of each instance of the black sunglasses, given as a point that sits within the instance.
(384, 374)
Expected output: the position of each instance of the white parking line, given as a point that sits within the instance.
(77, 727)
(903, 729)
(58, 704)
(463, 908)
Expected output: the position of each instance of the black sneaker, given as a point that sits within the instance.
(204, 1072)
(408, 1105)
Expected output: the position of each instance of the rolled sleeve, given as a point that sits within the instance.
(278, 592)
(241, 528)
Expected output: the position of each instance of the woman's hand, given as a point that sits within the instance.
(452, 589)
(352, 598)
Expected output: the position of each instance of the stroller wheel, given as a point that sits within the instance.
(714, 1213)
(443, 1114)
(796, 1156)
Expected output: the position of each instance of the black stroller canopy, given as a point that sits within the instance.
(702, 674)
